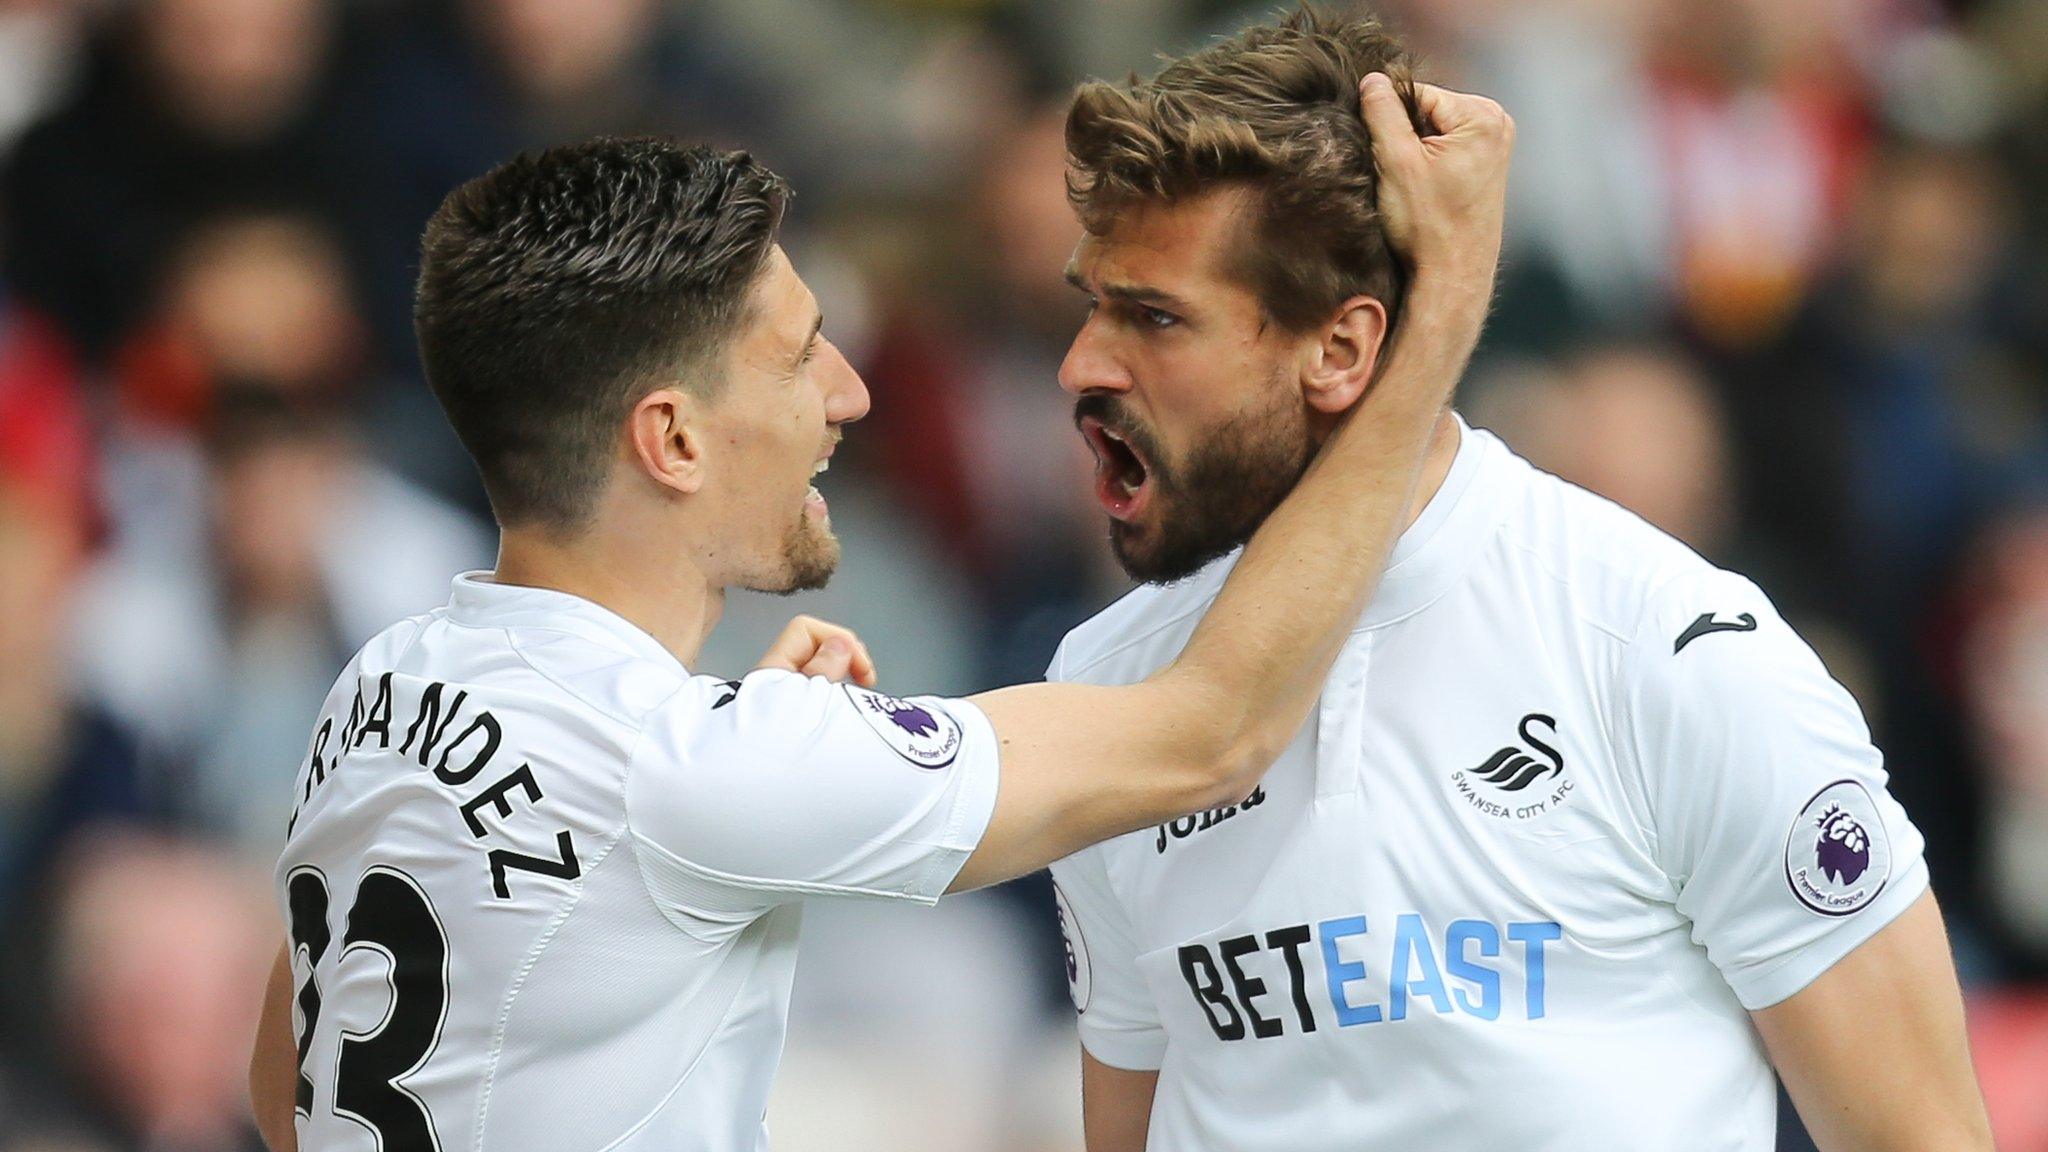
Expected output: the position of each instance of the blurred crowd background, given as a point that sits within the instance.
(1773, 280)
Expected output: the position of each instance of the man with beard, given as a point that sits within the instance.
(542, 883)
(1581, 841)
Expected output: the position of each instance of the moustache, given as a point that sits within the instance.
(1113, 413)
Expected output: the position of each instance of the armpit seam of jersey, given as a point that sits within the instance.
(800, 887)
(518, 983)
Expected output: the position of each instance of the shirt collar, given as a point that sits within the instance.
(1458, 520)
(479, 601)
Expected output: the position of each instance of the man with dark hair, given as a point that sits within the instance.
(1258, 141)
(1582, 839)
(542, 883)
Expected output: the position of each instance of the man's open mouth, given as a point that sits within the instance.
(814, 500)
(1122, 476)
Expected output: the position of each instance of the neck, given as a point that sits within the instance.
(657, 591)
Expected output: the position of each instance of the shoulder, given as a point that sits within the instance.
(1664, 627)
(1619, 570)
(778, 721)
(625, 686)
(383, 652)
(390, 644)
(1141, 631)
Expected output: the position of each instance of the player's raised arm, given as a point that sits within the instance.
(1082, 763)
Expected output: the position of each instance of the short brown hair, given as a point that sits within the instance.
(558, 288)
(1275, 109)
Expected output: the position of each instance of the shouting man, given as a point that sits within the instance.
(1581, 841)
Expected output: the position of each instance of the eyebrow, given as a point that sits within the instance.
(1130, 293)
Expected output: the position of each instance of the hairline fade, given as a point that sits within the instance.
(1273, 109)
(558, 288)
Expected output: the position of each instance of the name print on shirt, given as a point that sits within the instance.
(466, 751)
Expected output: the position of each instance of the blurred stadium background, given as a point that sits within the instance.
(1774, 281)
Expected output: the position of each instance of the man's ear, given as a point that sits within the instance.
(666, 442)
(1342, 363)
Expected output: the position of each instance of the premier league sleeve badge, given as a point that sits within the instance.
(924, 734)
(1837, 858)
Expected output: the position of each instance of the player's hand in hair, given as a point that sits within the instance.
(815, 648)
(1442, 196)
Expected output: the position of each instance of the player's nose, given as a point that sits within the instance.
(846, 395)
(1090, 365)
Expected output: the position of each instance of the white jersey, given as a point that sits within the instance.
(543, 885)
(1572, 801)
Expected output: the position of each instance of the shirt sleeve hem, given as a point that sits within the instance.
(1790, 974)
(1130, 1051)
(973, 807)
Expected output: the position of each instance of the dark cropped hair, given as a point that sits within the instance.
(1274, 109)
(559, 288)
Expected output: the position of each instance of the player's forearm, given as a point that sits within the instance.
(1085, 762)
(273, 1066)
(1116, 1106)
(1257, 661)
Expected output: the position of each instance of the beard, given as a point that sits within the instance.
(1211, 502)
(810, 554)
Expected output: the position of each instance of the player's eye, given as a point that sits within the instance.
(810, 351)
(1156, 318)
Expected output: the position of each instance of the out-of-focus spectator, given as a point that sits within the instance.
(1639, 425)
(1900, 380)
(154, 951)
(256, 543)
(39, 42)
(1688, 158)
(1761, 122)
(260, 297)
(2009, 1041)
(500, 76)
(1645, 426)
(2003, 662)
(188, 108)
(64, 764)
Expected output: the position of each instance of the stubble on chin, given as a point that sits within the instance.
(810, 554)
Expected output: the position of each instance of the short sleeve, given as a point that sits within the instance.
(1119, 1024)
(749, 793)
(1769, 802)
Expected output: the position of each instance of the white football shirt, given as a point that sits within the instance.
(543, 885)
(1572, 801)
